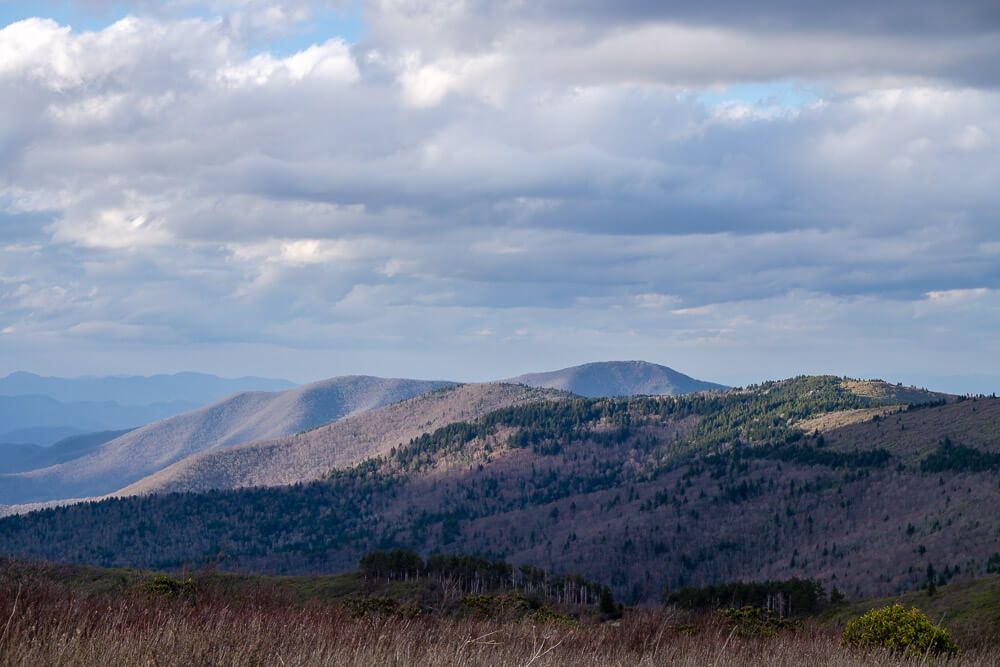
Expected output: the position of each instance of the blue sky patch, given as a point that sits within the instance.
(781, 94)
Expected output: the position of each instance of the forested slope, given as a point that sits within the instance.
(640, 493)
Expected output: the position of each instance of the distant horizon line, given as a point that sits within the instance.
(924, 384)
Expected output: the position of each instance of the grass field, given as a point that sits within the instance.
(969, 609)
(70, 615)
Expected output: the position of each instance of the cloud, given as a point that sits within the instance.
(500, 177)
(697, 43)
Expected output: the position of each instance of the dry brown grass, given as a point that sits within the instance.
(839, 418)
(50, 626)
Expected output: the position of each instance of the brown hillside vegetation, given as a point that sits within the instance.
(308, 456)
(839, 418)
(913, 434)
(886, 392)
(698, 524)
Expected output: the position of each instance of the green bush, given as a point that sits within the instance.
(545, 615)
(496, 607)
(755, 623)
(382, 607)
(511, 607)
(166, 586)
(899, 629)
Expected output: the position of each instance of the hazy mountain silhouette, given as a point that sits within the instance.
(240, 418)
(617, 378)
(190, 388)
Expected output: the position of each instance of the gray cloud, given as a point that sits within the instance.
(920, 16)
(696, 43)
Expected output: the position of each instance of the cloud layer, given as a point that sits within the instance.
(477, 189)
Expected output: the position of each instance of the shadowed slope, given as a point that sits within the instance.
(20, 458)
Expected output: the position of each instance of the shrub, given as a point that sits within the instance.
(606, 605)
(546, 615)
(900, 630)
(166, 586)
(382, 607)
(755, 623)
(512, 607)
(496, 607)
(993, 564)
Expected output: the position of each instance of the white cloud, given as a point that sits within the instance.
(296, 252)
(973, 138)
(138, 222)
(952, 296)
(540, 178)
(328, 63)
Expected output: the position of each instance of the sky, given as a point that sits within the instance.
(472, 189)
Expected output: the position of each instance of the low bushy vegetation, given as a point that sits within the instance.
(898, 629)
(166, 586)
(756, 623)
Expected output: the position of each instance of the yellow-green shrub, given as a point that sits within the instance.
(754, 622)
(899, 629)
(166, 586)
(382, 607)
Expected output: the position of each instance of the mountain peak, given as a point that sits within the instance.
(618, 378)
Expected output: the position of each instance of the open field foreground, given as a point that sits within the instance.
(97, 632)
(102, 618)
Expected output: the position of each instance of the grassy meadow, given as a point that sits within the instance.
(71, 615)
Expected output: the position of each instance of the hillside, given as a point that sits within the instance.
(640, 492)
(237, 419)
(914, 434)
(617, 378)
(887, 392)
(40, 436)
(310, 455)
(18, 458)
(26, 419)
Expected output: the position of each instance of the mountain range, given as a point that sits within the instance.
(19, 457)
(191, 388)
(169, 449)
(41, 420)
(310, 455)
(39, 410)
(240, 418)
(860, 484)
